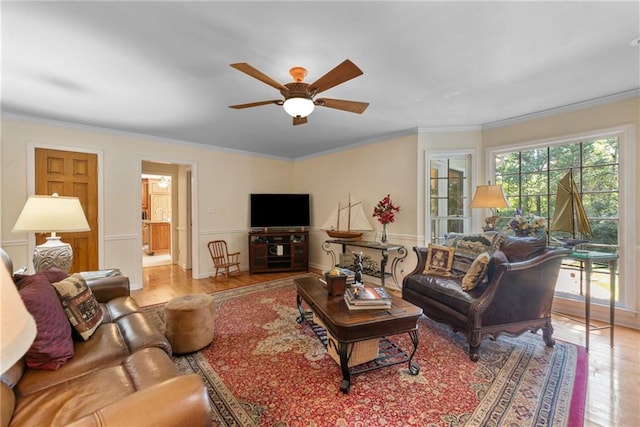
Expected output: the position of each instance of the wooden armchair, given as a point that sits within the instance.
(222, 259)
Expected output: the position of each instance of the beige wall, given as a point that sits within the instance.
(223, 182)
(224, 179)
(368, 173)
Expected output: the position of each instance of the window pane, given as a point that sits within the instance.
(534, 160)
(564, 156)
(600, 152)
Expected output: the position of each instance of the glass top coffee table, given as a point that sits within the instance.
(346, 327)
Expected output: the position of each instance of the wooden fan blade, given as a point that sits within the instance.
(345, 71)
(256, 104)
(299, 121)
(343, 104)
(256, 74)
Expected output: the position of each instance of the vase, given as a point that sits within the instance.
(383, 238)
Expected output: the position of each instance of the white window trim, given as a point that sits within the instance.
(626, 198)
(472, 179)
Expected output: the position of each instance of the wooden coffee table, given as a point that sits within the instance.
(349, 327)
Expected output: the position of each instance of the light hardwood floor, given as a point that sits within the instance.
(613, 395)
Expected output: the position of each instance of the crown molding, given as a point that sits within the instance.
(582, 105)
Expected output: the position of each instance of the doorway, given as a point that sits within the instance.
(157, 220)
(70, 173)
(166, 216)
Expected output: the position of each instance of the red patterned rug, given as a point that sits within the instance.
(265, 369)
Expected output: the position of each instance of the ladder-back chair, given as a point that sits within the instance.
(222, 259)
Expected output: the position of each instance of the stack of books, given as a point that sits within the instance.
(363, 298)
(351, 275)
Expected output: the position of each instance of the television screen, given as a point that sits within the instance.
(280, 210)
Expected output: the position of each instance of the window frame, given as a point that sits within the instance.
(627, 295)
(471, 178)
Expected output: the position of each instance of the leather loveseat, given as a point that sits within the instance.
(514, 296)
(122, 375)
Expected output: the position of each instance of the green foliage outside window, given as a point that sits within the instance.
(530, 179)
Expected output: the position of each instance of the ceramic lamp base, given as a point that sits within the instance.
(53, 253)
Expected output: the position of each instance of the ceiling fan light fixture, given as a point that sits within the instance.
(298, 107)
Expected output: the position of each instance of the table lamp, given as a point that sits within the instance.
(492, 197)
(54, 214)
(17, 326)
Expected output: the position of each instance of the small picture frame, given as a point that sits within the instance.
(439, 260)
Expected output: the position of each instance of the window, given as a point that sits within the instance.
(530, 179)
(530, 174)
(447, 195)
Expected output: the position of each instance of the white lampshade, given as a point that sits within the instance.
(489, 196)
(298, 107)
(17, 326)
(46, 214)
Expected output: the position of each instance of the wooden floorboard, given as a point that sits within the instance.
(613, 394)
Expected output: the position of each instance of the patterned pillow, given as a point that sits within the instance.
(53, 344)
(477, 272)
(439, 260)
(468, 247)
(81, 307)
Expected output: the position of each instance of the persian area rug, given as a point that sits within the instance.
(265, 369)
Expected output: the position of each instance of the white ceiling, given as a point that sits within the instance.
(162, 68)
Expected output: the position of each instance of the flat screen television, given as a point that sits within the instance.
(279, 210)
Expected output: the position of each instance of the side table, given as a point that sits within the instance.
(589, 258)
(384, 248)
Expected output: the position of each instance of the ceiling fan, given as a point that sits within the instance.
(299, 97)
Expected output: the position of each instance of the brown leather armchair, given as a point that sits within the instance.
(517, 297)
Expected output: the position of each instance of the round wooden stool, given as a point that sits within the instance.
(189, 322)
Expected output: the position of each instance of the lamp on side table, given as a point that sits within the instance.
(52, 214)
(492, 197)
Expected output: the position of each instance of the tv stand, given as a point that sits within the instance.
(272, 250)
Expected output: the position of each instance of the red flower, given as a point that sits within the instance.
(385, 210)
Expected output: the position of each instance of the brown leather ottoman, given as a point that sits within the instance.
(189, 322)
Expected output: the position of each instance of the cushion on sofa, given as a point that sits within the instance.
(107, 383)
(468, 247)
(80, 306)
(477, 272)
(445, 290)
(439, 260)
(519, 249)
(53, 344)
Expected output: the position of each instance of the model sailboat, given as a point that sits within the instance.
(569, 215)
(347, 222)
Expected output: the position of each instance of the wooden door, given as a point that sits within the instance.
(72, 174)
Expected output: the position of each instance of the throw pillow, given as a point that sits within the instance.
(80, 306)
(477, 272)
(53, 344)
(468, 247)
(439, 260)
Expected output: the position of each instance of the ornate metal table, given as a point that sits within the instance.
(384, 248)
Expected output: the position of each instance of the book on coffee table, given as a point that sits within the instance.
(367, 296)
(378, 305)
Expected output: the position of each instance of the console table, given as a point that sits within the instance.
(384, 248)
(589, 258)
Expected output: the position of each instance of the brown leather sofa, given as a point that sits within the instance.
(516, 296)
(122, 375)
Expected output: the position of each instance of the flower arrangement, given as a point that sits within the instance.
(385, 210)
(526, 225)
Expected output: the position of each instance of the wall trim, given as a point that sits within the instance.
(581, 105)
